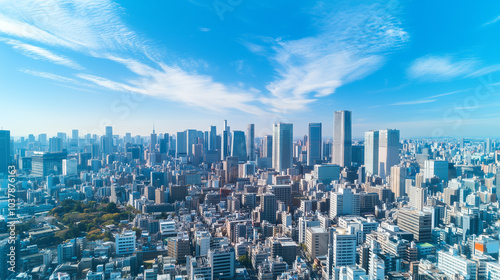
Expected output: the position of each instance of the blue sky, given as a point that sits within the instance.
(426, 68)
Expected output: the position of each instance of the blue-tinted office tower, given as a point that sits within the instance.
(238, 146)
(212, 139)
(181, 150)
(226, 134)
(282, 146)
(251, 142)
(342, 139)
(55, 145)
(4, 151)
(108, 143)
(192, 138)
(314, 144)
(154, 140)
(267, 146)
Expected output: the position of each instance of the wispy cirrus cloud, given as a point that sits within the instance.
(433, 67)
(445, 67)
(495, 20)
(351, 43)
(95, 28)
(41, 53)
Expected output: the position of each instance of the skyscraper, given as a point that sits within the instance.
(268, 207)
(397, 180)
(108, 143)
(251, 142)
(225, 149)
(267, 146)
(371, 152)
(4, 151)
(388, 151)
(282, 146)
(238, 147)
(344, 202)
(212, 140)
(342, 141)
(191, 138)
(55, 145)
(154, 140)
(314, 144)
(181, 150)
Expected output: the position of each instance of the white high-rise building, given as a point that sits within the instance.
(344, 202)
(371, 152)
(125, 243)
(452, 264)
(202, 243)
(417, 197)
(342, 138)
(388, 151)
(282, 146)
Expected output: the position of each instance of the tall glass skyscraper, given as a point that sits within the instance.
(212, 142)
(314, 143)
(251, 142)
(282, 146)
(238, 147)
(342, 140)
(371, 152)
(4, 151)
(388, 153)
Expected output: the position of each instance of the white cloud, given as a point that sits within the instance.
(492, 21)
(432, 67)
(414, 102)
(351, 45)
(95, 28)
(174, 84)
(50, 76)
(204, 29)
(41, 53)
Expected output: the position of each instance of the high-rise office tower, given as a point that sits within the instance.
(268, 207)
(128, 138)
(42, 138)
(181, 149)
(398, 180)
(212, 139)
(238, 147)
(371, 152)
(417, 197)
(488, 146)
(344, 202)
(342, 140)
(416, 222)
(267, 146)
(225, 149)
(154, 141)
(438, 168)
(282, 146)
(251, 142)
(108, 148)
(55, 145)
(74, 134)
(314, 143)
(388, 151)
(62, 136)
(4, 151)
(191, 138)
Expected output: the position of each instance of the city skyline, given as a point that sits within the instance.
(126, 65)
